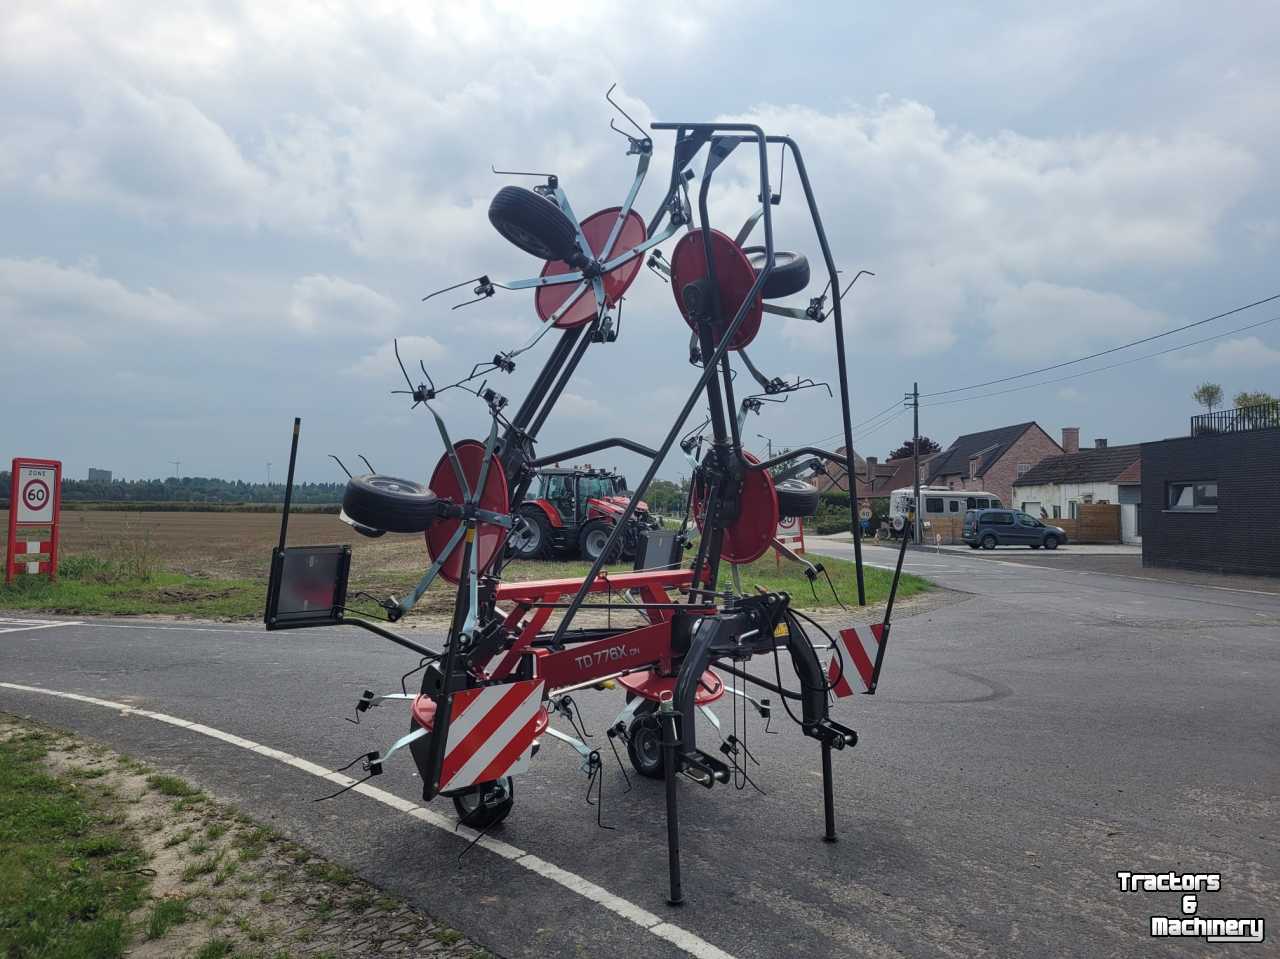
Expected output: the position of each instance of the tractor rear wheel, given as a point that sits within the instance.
(593, 537)
(533, 539)
(644, 742)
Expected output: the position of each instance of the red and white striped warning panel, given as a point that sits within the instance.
(860, 644)
(491, 733)
(33, 556)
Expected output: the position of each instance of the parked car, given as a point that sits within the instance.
(990, 528)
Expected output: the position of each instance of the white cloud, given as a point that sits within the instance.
(381, 363)
(1042, 320)
(45, 306)
(1237, 353)
(332, 305)
(1068, 394)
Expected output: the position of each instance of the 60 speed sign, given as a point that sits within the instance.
(34, 502)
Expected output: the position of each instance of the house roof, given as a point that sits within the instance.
(990, 445)
(1132, 474)
(1088, 466)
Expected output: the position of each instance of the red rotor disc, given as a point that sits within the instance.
(752, 533)
(734, 276)
(596, 229)
(489, 537)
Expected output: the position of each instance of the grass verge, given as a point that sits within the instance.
(68, 879)
(100, 857)
(135, 584)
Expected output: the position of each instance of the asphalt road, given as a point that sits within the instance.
(1045, 730)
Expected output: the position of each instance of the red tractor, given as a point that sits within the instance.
(574, 510)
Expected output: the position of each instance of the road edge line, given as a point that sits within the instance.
(675, 935)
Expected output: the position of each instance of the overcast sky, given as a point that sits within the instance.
(214, 217)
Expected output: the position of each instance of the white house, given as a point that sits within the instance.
(1057, 485)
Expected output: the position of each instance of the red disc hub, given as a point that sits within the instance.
(734, 278)
(749, 536)
(596, 228)
(490, 537)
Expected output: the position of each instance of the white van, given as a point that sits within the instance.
(938, 501)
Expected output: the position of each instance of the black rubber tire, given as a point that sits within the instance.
(989, 542)
(796, 497)
(592, 538)
(1051, 542)
(644, 742)
(790, 273)
(535, 542)
(535, 224)
(478, 807)
(391, 504)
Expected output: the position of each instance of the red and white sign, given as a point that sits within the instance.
(860, 646)
(790, 532)
(491, 733)
(35, 502)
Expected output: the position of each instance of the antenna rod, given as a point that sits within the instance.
(288, 489)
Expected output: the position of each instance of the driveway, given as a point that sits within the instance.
(1046, 730)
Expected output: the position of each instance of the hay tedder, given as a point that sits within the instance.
(516, 651)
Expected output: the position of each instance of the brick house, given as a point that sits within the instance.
(1058, 486)
(873, 477)
(993, 459)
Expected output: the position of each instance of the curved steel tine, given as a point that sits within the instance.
(855, 280)
(450, 452)
(340, 463)
(366, 463)
(454, 287)
(614, 103)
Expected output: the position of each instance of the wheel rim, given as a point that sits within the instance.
(529, 539)
(596, 541)
(648, 747)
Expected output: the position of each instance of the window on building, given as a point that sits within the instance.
(1057, 512)
(1074, 508)
(973, 469)
(1088, 497)
(1192, 496)
(933, 504)
(1024, 469)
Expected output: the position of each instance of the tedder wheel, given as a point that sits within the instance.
(988, 542)
(593, 537)
(485, 805)
(1051, 542)
(796, 497)
(533, 539)
(790, 274)
(390, 504)
(535, 224)
(644, 742)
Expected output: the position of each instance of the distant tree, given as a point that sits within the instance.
(1208, 395)
(907, 448)
(1259, 398)
(1258, 408)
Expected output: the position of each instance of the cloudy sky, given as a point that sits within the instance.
(214, 217)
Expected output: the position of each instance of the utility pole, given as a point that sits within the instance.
(769, 441)
(914, 398)
(177, 468)
(268, 472)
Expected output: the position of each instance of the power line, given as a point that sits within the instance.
(1110, 366)
(1094, 356)
(892, 406)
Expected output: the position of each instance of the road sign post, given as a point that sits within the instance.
(35, 507)
(790, 533)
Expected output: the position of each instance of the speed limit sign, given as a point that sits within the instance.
(34, 502)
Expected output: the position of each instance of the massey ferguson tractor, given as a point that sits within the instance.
(574, 510)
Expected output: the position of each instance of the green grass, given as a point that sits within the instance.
(91, 586)
(172, 786)
(790, 577)
(67, 884)
(215, 949)
(166, 914)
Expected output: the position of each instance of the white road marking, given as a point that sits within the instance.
(680, 938)
(18, 625)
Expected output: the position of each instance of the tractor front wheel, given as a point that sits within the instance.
(593, 537)
(533, 539)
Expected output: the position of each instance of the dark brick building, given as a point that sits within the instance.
(1212, 502)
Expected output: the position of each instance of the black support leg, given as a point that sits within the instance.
(670, 746)
(828, 796)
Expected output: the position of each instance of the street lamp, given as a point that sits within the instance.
(769, 441)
